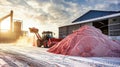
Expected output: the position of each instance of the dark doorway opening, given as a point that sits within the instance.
(102, 25)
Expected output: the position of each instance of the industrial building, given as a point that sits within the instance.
(14, 32)
(11, 36)
(107, 21)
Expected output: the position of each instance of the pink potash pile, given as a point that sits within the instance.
(87, 41)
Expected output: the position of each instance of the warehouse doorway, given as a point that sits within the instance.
(102, 25)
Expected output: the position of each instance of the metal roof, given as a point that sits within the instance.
(94, 14)
(96, 19)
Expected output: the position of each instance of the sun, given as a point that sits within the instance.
(5, 25)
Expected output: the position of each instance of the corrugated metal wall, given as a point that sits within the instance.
(114, 26)
(66, 30)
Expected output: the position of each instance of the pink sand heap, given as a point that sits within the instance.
(88, 42)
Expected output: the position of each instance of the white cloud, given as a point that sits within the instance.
(101, 6)
(112, 1)
(33, 4)
(4, 2)
(52, 12)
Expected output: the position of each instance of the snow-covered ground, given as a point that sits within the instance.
(39, 57)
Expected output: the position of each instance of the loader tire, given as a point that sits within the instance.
(45, 44)
(39, 43)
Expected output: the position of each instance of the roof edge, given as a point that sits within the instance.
(95, 19)
(94, 10)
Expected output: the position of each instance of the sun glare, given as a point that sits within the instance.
(5, 25)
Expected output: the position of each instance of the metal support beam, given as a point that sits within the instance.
(11, 20)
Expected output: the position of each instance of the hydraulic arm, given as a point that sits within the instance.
(35, 30)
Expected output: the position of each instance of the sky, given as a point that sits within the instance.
(51, 14)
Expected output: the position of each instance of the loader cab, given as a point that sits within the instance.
(47, 34)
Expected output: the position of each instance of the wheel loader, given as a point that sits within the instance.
(47, 40)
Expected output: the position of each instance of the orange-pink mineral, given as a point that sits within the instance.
(87, 41)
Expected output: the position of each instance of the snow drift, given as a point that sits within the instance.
(87, 41)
